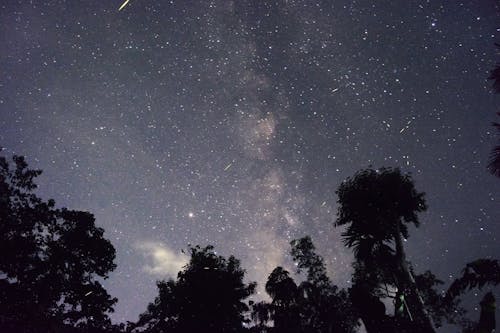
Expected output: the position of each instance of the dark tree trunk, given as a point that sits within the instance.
(406, 282)
(487, 321)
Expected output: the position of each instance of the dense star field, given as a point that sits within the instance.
(232, 123)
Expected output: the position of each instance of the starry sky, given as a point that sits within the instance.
(232, 123)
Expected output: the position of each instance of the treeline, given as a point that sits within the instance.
(52, 260)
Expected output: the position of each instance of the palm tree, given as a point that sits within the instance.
(376, 206)
(476, 274)
(494, 163)
(495, 75)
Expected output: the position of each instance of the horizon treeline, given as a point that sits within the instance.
(53, 258)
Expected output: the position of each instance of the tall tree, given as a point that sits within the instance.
(315, 305)
(325, 307)
(285, 305)
(376, 206)
(208, 296)
(50, 258)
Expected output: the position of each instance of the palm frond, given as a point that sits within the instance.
(494, 161)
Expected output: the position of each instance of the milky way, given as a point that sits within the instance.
(232, 123)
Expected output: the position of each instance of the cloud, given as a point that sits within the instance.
(161, 260)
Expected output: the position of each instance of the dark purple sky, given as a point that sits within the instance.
(232, 123)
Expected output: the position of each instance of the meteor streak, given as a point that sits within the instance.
(123, 5)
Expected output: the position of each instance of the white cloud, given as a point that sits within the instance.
(161, 260)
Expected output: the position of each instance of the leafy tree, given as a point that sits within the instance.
(50, 258)
(208, 296)
(326, 308)
(304, 254)
(261, 315)
(161, 315)
(439, 307)
(376, 206)
(476, 274)
(284, 308)
(315, 305)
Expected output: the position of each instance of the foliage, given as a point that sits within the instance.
(281, 287)
(303, 253)
(50, 257)
(476, 274)
(373, 203)
(325, 307)
(376, 206)
(286, 301)
(260, 315)
(495, 76)
(440, 308)
(315, 305)
(207, 296)
(494, 162)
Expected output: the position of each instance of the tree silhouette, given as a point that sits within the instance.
(261, 315)
(315, 305)
(285, 305)
(494, 163)
(50, 258)
(495, 75)
(304, 254)
(476, 274)
(439, 307)
(376, 206)
(208, 296)
(487, 322)
(162, 314)
(326, 308)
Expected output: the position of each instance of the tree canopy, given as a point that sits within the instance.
(208, 295)
(50, 257)
(314, 305)
(376, 206)
(53, 259)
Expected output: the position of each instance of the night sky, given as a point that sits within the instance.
(232, 123)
